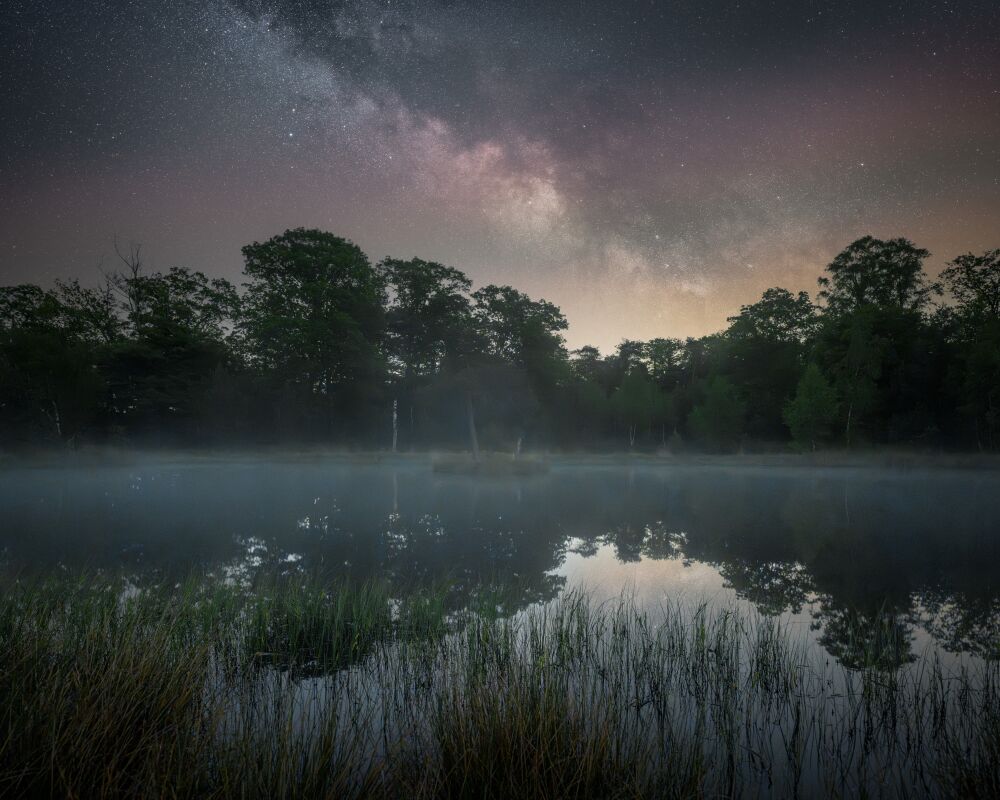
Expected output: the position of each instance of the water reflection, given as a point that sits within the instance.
(874, 559)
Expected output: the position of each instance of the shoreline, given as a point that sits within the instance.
(828, 459)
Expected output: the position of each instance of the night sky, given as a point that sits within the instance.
(648, 166)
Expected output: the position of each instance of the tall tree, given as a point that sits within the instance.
(664, 359)
(524, 336)
(876, 342)
(635, 403)
(313, 317)
(92, 313)
(516, 328)
(813, 410)
(718, 419)
(49, 385)
(765, 348)
(428, 324)
(588, 365)
(181, 299)
(974, 282)
(177, 325)
(429, 312)
(855, 352)
(779, 316)
(873, 272)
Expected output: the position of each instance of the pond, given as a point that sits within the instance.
(826, 549)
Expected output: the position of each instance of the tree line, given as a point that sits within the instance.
(320, 345)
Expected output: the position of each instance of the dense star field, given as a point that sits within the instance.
(647, 166)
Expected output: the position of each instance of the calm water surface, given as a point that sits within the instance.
(826, 549)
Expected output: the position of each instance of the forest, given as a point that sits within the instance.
(318, 345)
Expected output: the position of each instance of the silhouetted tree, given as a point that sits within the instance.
(429, 326)
(176, 326)
(810, 414)
(313, 318)
(635, 403)
(974, 282)
(516, 328)
(49, 387)
(320, 343)
(718, 419)
(765, 350)
(873, 272)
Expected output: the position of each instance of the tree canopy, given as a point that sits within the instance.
(320, 344)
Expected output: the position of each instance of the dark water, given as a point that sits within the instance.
(918, 551)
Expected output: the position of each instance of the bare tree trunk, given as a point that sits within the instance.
(990, 421)
(395, 425)
(517, 447)
(473, 439)
(57, 419)
(847, 431)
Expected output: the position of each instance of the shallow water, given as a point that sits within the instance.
(828, 549)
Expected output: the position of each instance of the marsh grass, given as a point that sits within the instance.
(305, 626)
(300, 688)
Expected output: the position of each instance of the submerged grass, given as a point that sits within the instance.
(296, 688)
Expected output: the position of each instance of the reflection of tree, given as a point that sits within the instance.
(634, 541)
(471, 548)
(627, 539)
(962, 623)
(866, 544)
(864, 640)
(662, 541)
(870, 546)
(772, 586)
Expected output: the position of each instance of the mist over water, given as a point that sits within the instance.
(827, 548)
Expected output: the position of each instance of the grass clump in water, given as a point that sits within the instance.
(308, 626)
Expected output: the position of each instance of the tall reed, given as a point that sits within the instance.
(302, 688)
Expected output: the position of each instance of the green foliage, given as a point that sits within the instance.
(314, 313)
(766, 346)
(320, 345)
(777, 316)
(49, 387)
(980, 383)
(314, 307)
(854, 353)
(428, 318)
(635, 403)
(718, 419)
(974, 282)
(974, 328)
(873, 272)
(811, 413)
(516, 328)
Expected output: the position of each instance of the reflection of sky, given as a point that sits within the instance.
(650, 580)
(820, 548)
(656, 583)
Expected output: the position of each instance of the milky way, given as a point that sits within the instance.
(649, 166)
